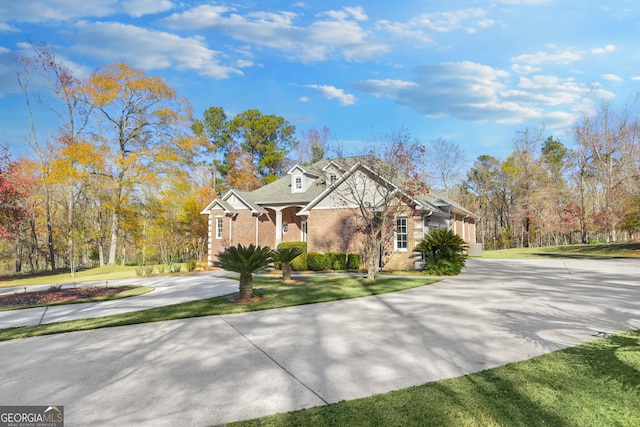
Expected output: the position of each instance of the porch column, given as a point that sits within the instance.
(278, 227)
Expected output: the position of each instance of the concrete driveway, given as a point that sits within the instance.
(167, 290)
(207, 371)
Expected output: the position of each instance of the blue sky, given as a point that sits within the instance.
(471, 72)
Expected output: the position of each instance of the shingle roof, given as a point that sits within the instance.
(279, 192)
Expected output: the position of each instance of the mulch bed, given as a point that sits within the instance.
(59, 296)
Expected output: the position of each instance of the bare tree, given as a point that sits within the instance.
(377, 192)
(445, 164)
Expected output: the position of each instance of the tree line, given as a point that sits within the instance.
(546, 193)
(124, 176)
(128, 169)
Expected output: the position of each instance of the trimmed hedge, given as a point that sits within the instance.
(353, 262)
(336, 261)
(316, 261)
(300, 262)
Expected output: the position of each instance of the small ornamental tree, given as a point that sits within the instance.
(245, 260)
(442, 251)
(285, 255)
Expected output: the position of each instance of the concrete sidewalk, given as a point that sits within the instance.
(168, 290)
(213, 370)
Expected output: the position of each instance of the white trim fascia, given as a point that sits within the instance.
(331, 162)
(329, 189)
(254, 210)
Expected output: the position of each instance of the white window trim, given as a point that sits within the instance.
(295, 187)
(219, 226)
(406, 234)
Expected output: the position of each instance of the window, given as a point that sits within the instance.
(298, 183)
(219, 227)
(333, 178)
(401, 233)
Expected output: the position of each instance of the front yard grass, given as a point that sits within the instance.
(276, 294)
(602, 250)
(595, 384)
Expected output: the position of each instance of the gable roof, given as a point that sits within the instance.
(279, 192)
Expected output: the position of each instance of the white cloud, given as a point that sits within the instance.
(332, 92)
(6, 28)
(112, 41)
(69, 10)
(345, 13)
(137, 8)
(304, 99)
(538, 58)
(444, 22)
(602, 50)
(613, 78)
(55, 10)
(403, 30)
(635, 78)
(336, 32)
(524, 69)
(477, 92)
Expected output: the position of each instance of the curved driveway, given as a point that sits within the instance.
(213, 370)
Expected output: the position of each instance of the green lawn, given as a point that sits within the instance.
(106, 273)
(596, 384)
(314, 289)
(603, 250)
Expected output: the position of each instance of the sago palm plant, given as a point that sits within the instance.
(442, 251)
(285, 256)
(245, 260)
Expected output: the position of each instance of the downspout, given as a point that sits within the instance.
(231, 228)
(464, 229)
(257, 223)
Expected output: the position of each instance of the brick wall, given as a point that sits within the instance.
(332, 230)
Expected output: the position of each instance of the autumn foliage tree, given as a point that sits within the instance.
(14, 189)
(142, 130)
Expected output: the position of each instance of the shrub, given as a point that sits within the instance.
(148, 270)
(161, 268)
(139, 271)
(353, 262)
(300, 262)
(316, 261)
(55, 288)
(442, 251)
(176, 267)
(191, 265)
(336, 261)
(443, 263)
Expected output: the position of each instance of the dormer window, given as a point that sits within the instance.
(333, 178)
(298, 183)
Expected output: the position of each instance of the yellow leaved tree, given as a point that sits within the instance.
(143, 129)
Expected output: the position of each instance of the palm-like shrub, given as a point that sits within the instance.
(284, 256)
(443, 252)
(245, 260)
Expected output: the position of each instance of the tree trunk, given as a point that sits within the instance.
(101, 252)
(246, 286)
(70, 242)
(113, 246)
(52, 252)
(286, 271)
(372, 262)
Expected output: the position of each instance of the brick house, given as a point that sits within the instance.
(317, 204)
